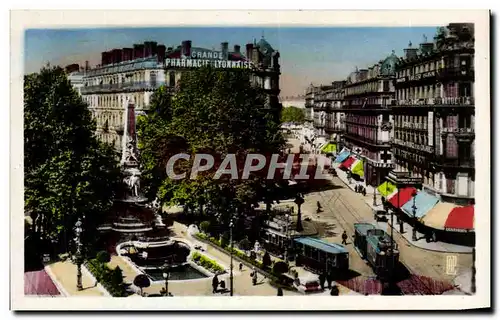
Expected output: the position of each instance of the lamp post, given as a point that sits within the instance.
(299, 200)
(166, 276)
(287, 217)
(414, 208)
(78, 233)
(231, 225)
(374, 177)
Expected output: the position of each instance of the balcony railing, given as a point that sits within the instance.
(455, 72)
(412, 125)
(418, 76)
(429, 149)
(138, 85)
(442, 161)
(437, 101)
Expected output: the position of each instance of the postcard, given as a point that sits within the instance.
(261, 160)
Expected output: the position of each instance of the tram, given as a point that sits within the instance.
(321, 257)
(374, 245)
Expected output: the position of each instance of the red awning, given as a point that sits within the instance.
(405, 194)
(347, 163)
(461, 218)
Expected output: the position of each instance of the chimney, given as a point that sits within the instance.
(255, 55)
(127, 54)
(117, 55)
(154, 48)
(170, 49)
(104, 58)
(237, 48)
(186, 48)
(160, 53)
(148, 49)
(87, 67)
(138, 51)
(410, 52)
(249, 47)
(426, 47)
(224, 46)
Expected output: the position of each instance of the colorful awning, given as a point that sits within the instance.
(329, 148)
(460, 219)
(386, 189)
(437, 216)
(357, 168)
(347, 163)
(423, 203)
(342, 156)
(402, 196)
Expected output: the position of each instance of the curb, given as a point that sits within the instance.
(406, 240)
(58, 285)
(99, 286)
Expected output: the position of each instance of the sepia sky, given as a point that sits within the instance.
(308, 55)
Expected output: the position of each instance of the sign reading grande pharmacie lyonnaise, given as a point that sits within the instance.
(201, 57)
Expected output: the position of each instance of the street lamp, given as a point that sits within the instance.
(78, 241)
(287, 217)
(166, 276)
(299, 200)
(349, 176)
(374, 177)
(231, 225)
(414, 208)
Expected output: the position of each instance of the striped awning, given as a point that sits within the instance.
(402, 196)
(460, 219)
(437, 216)
(342, 156)
(386, 189)
(424, 202)
(329, 148)
(347, 163)
(357, 168)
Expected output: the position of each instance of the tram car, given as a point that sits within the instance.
(319, 256)
(374, 245)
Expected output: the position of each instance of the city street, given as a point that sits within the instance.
(342, 207)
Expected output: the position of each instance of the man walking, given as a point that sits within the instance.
(215, 284)
(344, 238)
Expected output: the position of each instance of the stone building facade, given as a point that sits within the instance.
(434, 115)
(135, 73)
(368, 95)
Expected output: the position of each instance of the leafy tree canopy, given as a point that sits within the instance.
(67, 172)
(292, 114)
(214, 111)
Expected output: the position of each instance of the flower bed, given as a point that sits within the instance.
(275, 279)
(206, 263)
(111, 279)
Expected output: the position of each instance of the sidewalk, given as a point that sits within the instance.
(407, 234)
(64, 273)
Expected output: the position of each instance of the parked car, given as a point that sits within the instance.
(380, 215)
(307, 284)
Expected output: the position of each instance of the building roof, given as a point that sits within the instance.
(264, 46)
(333, 248)
(388, 66)
(138, 64)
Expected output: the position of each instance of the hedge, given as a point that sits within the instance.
(206, 263)
(275, 278)
(111, 279)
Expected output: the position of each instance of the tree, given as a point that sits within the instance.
(142, 281)
(117, 276)
(245, 244)
(292, 114)
(68, 173)
(280, 267)
(103, 257)
(205, 226)
(216, 112)
(266, 260)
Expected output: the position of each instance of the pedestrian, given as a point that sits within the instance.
(344, 238)
(215, 284)
(364, 192)
(322, 279)
(241, 266)
(319, 207)
(329, 280)
(356, 188)
(254, 278)
(335, 291)
(280, 292)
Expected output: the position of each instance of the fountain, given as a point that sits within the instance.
(135, 228)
